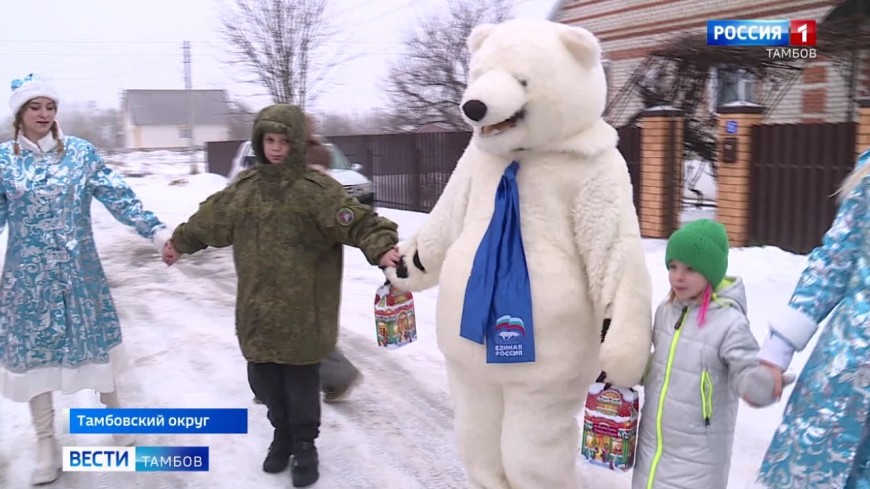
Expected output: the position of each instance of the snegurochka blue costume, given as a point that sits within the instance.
(59, 330)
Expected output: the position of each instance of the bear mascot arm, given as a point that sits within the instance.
(611, 250)
(423, 254)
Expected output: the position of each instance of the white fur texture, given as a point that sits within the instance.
(517, 424)
(160, 237)
(561, 68)
(794, 326)
(31, 90)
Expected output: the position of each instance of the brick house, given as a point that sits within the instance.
(630, 29)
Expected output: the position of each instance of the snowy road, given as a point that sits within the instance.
(395, 432)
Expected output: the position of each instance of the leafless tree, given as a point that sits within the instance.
(102, 127)
(241, 120)
(426, 84)
(281, 43)
(370, 122)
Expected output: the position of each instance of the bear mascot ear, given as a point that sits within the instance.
(581, 44)
(478, 35)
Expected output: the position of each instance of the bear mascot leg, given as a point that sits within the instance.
(534, 245)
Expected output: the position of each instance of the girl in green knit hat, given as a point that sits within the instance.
(704, 360)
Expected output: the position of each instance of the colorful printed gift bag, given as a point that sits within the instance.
(394, 317)
(610, 426)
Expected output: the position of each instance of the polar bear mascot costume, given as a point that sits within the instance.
(536, 246)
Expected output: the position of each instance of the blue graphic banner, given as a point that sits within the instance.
(135, 459)
(158, 421)
(747, 33)
(171, 459)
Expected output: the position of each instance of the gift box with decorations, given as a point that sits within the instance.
(394, 317)
(610, 426)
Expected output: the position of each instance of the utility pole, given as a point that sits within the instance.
(188, 86)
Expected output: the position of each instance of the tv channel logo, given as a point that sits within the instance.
(765, 33)
(135, 459)
(99, 459)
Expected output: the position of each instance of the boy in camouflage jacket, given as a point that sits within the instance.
(287, 224)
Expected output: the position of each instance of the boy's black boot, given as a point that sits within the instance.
(279, 454)
(305, 469)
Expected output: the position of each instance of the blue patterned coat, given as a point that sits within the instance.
(56, 312)
(822, 441)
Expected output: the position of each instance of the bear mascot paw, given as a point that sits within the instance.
(535, 246)
(410, 275)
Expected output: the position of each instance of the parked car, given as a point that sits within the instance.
(340, 168)
(699, 185)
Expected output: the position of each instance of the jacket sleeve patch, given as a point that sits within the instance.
(344, 216)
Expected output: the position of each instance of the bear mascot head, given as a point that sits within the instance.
(532, 85)
(536, 248)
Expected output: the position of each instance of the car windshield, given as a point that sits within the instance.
(339, 161)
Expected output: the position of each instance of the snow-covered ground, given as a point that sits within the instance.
(396, 430)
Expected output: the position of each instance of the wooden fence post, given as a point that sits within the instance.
(734, 158)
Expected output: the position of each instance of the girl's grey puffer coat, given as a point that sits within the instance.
(691, 392)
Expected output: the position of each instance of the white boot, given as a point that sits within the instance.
(48, 458)
(110, 399)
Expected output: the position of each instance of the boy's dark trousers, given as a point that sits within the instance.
(291, 394)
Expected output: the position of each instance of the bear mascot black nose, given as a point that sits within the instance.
(474, 109)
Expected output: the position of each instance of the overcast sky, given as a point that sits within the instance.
(94, 49)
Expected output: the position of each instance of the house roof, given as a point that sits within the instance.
(169, 107)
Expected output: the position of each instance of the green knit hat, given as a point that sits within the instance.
(702, 245)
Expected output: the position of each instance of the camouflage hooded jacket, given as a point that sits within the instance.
(287, 225)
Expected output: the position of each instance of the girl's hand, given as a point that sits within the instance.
(776, 372)
(390, 258)
(170, 255)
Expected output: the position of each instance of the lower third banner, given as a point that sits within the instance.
(135, 459)
(158, 421)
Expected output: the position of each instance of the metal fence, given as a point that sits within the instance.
(795, 171)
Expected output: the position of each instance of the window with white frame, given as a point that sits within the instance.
(729, 84)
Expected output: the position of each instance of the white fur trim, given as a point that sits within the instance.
(776, 351)
(29, 91)
(160, 237)
(46, 144)
(97, 376)
(794, 327)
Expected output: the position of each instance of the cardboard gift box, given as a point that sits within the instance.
(610, 426)
(394, 317)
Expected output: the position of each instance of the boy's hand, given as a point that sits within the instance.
(170, 255)
(390, 258)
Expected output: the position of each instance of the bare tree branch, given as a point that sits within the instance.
(282, 43)
(426, 85)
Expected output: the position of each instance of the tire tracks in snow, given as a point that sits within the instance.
(404, 430)
(394, 432)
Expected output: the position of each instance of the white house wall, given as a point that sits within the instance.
(149, 137)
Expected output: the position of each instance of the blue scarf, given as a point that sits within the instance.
(498, 297)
